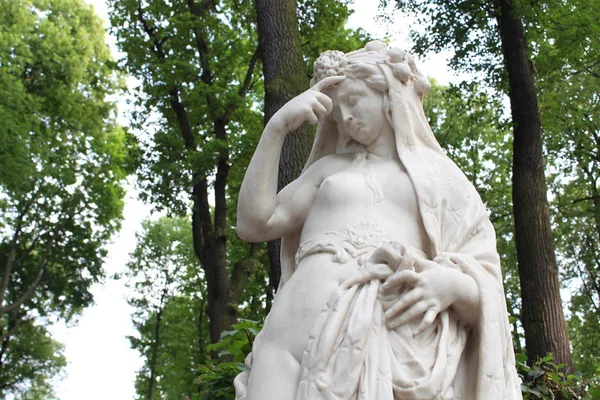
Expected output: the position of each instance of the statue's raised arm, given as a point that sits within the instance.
(392, 288)
(262, 214)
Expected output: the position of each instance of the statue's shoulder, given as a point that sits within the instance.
(328, 165)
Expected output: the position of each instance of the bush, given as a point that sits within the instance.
(545, 380)
(216, 376)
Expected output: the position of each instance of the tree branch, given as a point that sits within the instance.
(587, 69)
(13, 245)
(6, 336)
(182, 118)
(248, 80)
(246, 85)
(201, 46)
(586, 288)
(151, 32)
(201, 219)
(36, 281)
(585, 199)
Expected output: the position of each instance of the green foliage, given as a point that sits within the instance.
(467, 28)
(544, 380)
(177, 347)
(63, 162)
(33, 359)
(160, 42)
(216, 379)
(169, 297)
(322, 27)
(568, 80)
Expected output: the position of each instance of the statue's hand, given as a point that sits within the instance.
(310, 106)
(432, 291)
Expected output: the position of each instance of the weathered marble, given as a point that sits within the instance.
(391, 283)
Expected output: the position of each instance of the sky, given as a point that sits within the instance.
(101, 365)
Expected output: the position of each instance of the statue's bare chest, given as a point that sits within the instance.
(384, 184)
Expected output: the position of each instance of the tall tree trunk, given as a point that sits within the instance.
(542, 313)
(285, 77)
(154, 355)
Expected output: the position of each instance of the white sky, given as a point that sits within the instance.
(101, 365)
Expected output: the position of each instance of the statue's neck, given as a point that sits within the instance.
(384, 146)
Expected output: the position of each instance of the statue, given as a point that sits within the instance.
(391, 285)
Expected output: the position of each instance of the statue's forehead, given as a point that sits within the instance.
(344, 88)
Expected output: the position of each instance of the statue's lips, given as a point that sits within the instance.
(354, 128)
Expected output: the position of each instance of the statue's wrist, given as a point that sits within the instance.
(276, 126)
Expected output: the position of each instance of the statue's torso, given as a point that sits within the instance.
(371, 195)
(361, 205)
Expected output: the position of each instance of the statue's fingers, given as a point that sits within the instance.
(408, 261)
(407, 300)
(428, 319)
(327, 82)
(320, 110)
(413, 312)
(422, 264)
(399, 278)
(368, 273)
(390, 253)
(325, 101)
(312, 118)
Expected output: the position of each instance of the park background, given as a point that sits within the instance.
(93, 152)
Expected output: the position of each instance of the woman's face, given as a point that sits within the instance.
(358, 111)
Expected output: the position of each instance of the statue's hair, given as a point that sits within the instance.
(366, 64)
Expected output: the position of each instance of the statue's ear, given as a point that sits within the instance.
(325, 142)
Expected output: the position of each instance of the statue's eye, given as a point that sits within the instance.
(352, 100)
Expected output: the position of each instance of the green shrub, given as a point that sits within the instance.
(216, 376)
(546, 381)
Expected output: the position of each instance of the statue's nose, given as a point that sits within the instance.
(346, 114)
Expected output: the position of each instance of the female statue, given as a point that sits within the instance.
(391, 283)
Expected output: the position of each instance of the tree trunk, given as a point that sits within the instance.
(542, 313)
(285, 77)
(154, 355)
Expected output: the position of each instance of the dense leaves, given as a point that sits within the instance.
(196, 121)
(62, 164)
(168, 295)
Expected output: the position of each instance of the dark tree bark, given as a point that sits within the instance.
(154, 355)
(542, 313)
(285, 77)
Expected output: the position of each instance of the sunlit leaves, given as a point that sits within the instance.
(63, 162)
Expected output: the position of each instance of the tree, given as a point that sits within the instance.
(569, 82)
(284, 78)
(33, 358)
(483, 33)
(196, 61)
(62, 165)
(168, 295)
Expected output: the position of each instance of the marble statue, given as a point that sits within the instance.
(391, 285)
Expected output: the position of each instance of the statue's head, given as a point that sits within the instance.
(393, 74)
(368, 64)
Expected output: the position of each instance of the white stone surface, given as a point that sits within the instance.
(391, 283)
